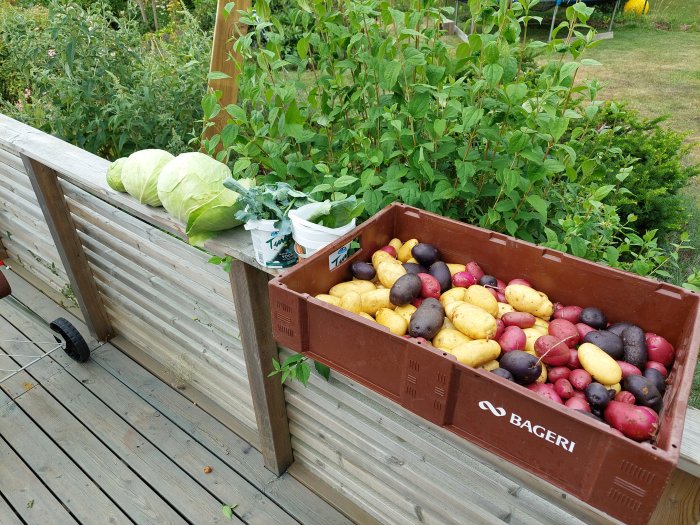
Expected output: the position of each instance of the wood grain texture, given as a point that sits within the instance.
(259, 348)
(7, 515)
(53, 204)
(680, 502)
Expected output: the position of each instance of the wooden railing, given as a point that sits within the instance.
(61, 222)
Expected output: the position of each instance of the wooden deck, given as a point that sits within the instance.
(107, 442)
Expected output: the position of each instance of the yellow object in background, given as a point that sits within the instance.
(637, 6)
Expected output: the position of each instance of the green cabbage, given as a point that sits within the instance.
(140, 174)
(192, 191)
(114, 175)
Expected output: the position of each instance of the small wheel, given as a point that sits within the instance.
(73, 343)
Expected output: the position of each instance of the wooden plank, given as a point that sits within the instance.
(680, 502)
(689, 460)
(32, 501)
(252, 302)
(224, 60)
(53, 204)
(7, 514)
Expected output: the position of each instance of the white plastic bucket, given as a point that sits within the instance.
(271, 249)
(310, 237)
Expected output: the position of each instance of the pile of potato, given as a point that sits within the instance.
(569, 354)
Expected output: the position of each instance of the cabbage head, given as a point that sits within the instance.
(191, 188)
(114, 175)
(140, 174)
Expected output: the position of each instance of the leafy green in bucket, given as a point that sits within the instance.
(338, 213)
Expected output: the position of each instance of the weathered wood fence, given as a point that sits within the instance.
(125, 270)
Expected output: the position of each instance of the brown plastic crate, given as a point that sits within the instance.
(574, 452)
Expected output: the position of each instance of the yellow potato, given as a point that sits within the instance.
(531, 335)
(374, 300)
(447, 338)
(480, 296)
(456, 268)
(341, 289)
(542, 325)
(491, 365)
(328, 299)
(394, 322)
(389, 272)
(396, 244)
(451, 307)
(616, 387)
(366, 316)
(405, 250)
(413, 260)
(477, 353)
(599, 364)
(379, 257)
(474, 322)
(351, 302)
(526, 299)
(406, 311)
(453, 294)
(543, 375)
(504, 308)
(446, 323)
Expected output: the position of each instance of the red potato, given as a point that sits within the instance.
(546, 391)
(417, 302)
(500, 286)
(551, 351)
(513, 338)
(564, 331)
(501, 297)
(583, 329)
(474, 269)
(390, 250)
(430, 287)
(570, 313)
(623, 396)
(520, 281)
(520, 319)
(659, 349)
(564, 388)
(573, 362)
(577, 403)
(633, 421)
(580, 379)
(500, 327)
(657, 366)
(629, 369)
(558, 372)
(579, 393)
(463, 279)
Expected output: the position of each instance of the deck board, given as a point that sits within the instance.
(120, 446)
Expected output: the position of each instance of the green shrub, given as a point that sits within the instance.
(374, 103)
(95, 81)
(656, 155)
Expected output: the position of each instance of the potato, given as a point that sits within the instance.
(379, 257)
(427, 321)
(532, 335)
(448, 338)
(477, 353)
(405, 251)
(480, 296)
(491, 365)
(503, 308)
(446, 323)
(543, 376)
(374, 300)
(394, 322)
(406, 288)
(352, 302)
(332, 299)
(454, 294)
(396, 244)
(366, 316)
(413, 260)
(389, 272)
(475, 322)
(451, 307)
(600, 365)
(520, 319)
(441, 273)
(542, 324)
(406, 311)
(526, 299)
(455, 268)
(616, 387)
(358, 286)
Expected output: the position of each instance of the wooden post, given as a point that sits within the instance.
(224, 29)
(252, 302)
(58, 218)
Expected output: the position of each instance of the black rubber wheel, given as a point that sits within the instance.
(73, 343)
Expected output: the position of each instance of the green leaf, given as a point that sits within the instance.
(303, 47)
(439, 126)
(227, 510)
(491, 54)
(434, 74)
(578, 246)
(303, 372)
(471, 116)
(323, 370)
(343, 181)
(493, 73)
(590, 62)
(209, 106)
(413, 57)
(419, 105)
(390, 74)
(539, 204)
(217, 75)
